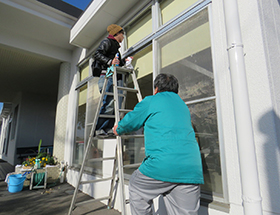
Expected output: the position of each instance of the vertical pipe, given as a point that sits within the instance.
(246, 147)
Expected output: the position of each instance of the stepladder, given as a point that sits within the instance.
(116, 181)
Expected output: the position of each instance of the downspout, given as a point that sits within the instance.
(245, 141)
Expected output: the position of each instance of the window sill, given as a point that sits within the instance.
(220, 206)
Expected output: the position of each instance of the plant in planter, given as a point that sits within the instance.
(43, 157)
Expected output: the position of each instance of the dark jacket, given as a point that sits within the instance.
(106, 52)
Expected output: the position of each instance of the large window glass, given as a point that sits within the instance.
(88, 98)
(84, 71)
(185, 52)
(96, 147)
(80, 126)
(139, 29)
(134, 148)
(171, 8)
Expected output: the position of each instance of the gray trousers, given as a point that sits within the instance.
(179, 199)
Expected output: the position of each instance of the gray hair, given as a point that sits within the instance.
(166, 82)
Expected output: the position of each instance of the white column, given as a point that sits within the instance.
(61, 111)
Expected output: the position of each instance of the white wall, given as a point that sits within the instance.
(262, 71)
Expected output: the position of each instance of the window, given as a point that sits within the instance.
(81, 116)
(139, 28)
(185, 52)
(171, 8)
(96, 149)
(80, 126)
(88, 98)
(133, 148)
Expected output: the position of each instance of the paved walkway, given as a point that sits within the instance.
(4, 169)
(52, 201)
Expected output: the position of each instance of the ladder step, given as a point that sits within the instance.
(132, 165)
(123, 70)
(128, 89)
(100, 159)
(104, 137)
(107, 116)
(118, 169)
(92, 200)
(112, 94)
(124, 110)
(96, 180)
(128, 136)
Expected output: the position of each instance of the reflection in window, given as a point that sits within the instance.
(204, 120)
(185, 52)
(133, 148)
(96, 148)
(80, 127)
(143, 65)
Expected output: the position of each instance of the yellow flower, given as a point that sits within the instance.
(46, 159)
(43, 158)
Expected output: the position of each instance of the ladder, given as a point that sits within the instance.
(118, 159)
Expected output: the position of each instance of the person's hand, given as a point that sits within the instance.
(115, 130)
(130, 58)
(115, 61)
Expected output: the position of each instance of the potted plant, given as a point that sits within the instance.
(42, 158)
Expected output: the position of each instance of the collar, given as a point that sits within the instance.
(111, 37)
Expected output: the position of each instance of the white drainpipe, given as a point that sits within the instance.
(246, 147)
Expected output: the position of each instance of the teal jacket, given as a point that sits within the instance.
(172, 152)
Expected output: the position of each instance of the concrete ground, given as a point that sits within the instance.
(54, 200)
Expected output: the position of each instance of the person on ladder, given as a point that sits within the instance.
(105, 56)
(172, 166)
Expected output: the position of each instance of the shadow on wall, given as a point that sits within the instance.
(269, 123)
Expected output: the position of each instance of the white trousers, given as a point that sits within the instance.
(179, 199)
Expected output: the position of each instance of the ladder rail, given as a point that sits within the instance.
(118, 159)
(87, 148)
(119, 143)
(112, 183)
(134, 79)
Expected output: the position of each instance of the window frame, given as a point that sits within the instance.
(151, 39)
(80, 84)
(185, 15)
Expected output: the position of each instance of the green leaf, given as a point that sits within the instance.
(39, 147)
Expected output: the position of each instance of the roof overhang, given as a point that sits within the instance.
(92, 25)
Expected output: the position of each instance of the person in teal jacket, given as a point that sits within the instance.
(172, 165)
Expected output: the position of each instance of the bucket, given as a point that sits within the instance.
(15, 183)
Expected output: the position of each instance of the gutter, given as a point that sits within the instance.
(251, 198)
